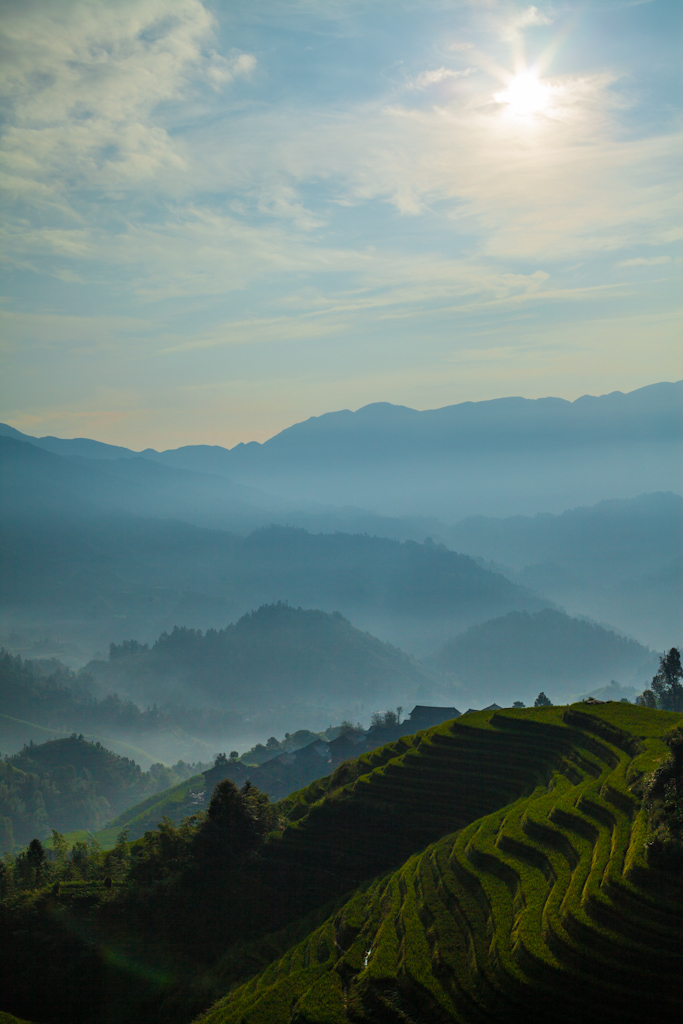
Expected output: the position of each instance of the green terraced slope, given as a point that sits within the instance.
(533, 903)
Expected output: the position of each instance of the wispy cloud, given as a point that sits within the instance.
(438, 75)
(513, 22)
(82, 84)
(645, 261)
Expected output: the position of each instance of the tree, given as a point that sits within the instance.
(117, 861)
(519, 703)
(60, 848)
(666, 684)
(386, 720)
(220, 760)
(399, 712)
(35, 860)
(231, 826)
(542, 701)
(647, 699)
(6, 836)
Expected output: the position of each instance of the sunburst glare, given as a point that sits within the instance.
(525, 94)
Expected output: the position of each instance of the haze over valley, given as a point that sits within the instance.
(102, 546)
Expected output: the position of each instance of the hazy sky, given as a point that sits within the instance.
(221, 218)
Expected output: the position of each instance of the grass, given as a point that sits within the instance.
(534, 910)
(489, 869)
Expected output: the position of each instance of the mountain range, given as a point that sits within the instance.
(517, 655)
(107, 578)
(619, 561)
(82, 522)
(508, 455)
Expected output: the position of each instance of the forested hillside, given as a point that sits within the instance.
(72, 784)
(43, 699)
(540, 836)
(513, 657)
(276, 661)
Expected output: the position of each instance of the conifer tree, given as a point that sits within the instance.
(666, 684)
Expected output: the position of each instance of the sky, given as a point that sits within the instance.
(222, 218)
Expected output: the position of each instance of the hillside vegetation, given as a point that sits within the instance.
(112, 577)
(544, 909)
(71, 784)
(271, 661)
(491, 869)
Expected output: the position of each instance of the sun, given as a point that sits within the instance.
(525, 94)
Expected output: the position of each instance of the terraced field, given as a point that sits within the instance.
(529, 898)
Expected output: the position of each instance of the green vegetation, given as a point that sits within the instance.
(178, 802)
(545, 909)
(666, 688)
(72, 784)
(501, 866)
(664, 807)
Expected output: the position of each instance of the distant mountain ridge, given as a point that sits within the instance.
(547, 454)
(111, 577)
(36, 482)
(651, 412)
(619, 561)
(517, 655)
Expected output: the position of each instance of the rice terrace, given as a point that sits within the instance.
(510, 864)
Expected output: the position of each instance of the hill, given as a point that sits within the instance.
(110, 578)
(278, 665)
(490, 869)
(514, 656)
(543, 454)
(618, 561)
(44, 699)
(542, 910)
(72, 784)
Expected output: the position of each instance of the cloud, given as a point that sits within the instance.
(222, 70)
(197, 206)
(428, 78)
(560, 185)
(512, 26)
(645, 261)
(82, 83)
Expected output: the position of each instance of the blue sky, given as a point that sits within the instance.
(223, 218)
